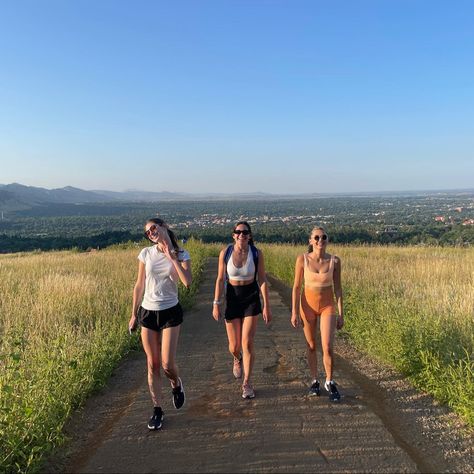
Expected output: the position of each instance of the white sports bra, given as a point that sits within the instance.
(243, 273)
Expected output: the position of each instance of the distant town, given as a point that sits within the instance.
(426, 219)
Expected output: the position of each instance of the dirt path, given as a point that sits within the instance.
(380, 425)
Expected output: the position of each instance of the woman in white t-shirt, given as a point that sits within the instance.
(157, 310)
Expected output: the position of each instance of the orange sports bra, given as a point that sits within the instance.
(315, 279)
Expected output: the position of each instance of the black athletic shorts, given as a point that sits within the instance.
(161, 319)
(242, 301)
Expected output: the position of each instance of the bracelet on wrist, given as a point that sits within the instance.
(217, 302)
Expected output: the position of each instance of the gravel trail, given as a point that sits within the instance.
(381, 423)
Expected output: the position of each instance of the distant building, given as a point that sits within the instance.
(468, 222)
(439, 219)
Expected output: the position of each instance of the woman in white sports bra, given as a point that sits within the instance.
(242, 268)
(321, 274)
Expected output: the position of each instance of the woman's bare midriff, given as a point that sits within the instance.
(240, 283)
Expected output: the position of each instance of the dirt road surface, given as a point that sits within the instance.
(381, 423)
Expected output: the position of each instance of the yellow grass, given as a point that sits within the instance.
(63, 327)
(409, 306)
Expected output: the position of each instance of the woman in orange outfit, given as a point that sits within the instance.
(321, 274)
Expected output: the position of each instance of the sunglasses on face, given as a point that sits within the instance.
(151, 229)
(243, 232)
(323, 237)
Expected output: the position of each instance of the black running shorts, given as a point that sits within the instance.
(242, 301)
(161, 319)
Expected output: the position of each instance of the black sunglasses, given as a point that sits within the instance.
(317, 237)
(243, 232)
(151, 229)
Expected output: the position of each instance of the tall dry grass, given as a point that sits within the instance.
(63, 328)
(412, 307)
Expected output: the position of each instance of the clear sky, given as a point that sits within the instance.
(237, 95)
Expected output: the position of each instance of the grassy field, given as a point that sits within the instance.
(63, 329)
(411, 307)
(63, 321)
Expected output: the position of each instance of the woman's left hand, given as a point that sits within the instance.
(169, 250)
(267, 315)
(339, 322)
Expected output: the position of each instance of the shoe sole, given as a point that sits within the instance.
(155, 428)
(184, 395)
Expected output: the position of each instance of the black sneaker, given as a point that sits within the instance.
(156, 420)
(178, 395)
(331, 388)
(315, 390)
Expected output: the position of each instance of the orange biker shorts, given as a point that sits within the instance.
(317, 302)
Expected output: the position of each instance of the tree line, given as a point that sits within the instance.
(455, 235)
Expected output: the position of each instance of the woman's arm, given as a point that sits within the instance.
(138, 291)
(183, 268)
(338, 292)
(219, 289)
(263, 283)
(296, 292)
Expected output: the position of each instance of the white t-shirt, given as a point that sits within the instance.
(161, 282)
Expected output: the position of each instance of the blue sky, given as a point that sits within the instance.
(237, 95)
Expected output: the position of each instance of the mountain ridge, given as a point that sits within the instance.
(16, 196)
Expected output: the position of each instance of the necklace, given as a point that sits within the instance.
(241, 250)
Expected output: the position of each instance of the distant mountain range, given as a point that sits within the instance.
(15, 196)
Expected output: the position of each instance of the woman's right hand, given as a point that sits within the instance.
(132, 324)
(216, 312)
(295, 320)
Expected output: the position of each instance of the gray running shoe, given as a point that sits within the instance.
(247, 391)
(237, 368)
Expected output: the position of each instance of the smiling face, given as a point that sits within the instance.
(241, 233)
(154, 231)
(318, 239)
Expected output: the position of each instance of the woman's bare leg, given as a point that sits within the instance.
(309, 328)
(151, 341)
(169, 345)
(234, 336)
(327, 328)
(249, 328)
